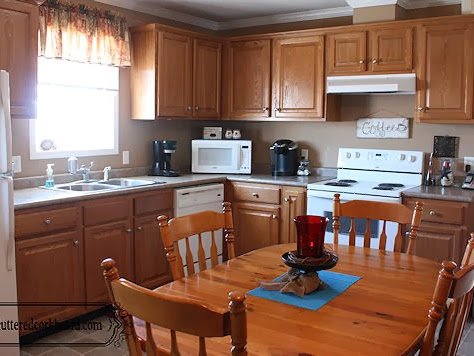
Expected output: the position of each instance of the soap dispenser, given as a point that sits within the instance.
(49, 176)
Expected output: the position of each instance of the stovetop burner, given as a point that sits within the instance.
(338, 184)
(383, 188)
(391, 185)
(347, 181)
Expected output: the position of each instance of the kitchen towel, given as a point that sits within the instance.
(336, 283)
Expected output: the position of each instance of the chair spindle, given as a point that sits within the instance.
(367, 234)
(383, 237)
(352, 233)
(214, 259)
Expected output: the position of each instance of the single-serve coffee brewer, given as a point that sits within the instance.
(284, 158)
(162, 151)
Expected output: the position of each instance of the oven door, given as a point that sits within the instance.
(322, 204)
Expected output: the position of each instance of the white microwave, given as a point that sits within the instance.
(221, 156)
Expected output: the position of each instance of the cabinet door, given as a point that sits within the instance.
(50, 270)
(112, 240)
(207, 78)
(174, 96)
(256, 226)
(347, 52)
(391, 50)
(445, 74)
(293, 205)
(151, 266)
(248, 79)
(298, 77)
(19, 54)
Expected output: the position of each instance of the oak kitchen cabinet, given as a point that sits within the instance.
(175, 73)
(444, 229)
(379, 50)
(49, 263)
(263, 214)
(59, 250)
(445, 73)
(19, 53)
(298, 77)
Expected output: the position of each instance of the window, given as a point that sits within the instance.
(77, 110)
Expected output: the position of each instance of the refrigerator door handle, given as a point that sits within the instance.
(11, 222)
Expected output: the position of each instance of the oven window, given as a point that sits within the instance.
(215, 156)
(360, 225)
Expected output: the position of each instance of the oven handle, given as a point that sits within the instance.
(348, 196)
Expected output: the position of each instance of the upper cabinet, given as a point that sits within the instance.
(445, 73)
(384, 50)
(247, 79)
(298, 77)
(174, 74)
(19, 54)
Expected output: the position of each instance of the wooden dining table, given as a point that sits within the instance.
(383, 313)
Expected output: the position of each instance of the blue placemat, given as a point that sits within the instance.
(336, 283)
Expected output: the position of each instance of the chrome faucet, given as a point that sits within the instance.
(72, 164)
(107, 173)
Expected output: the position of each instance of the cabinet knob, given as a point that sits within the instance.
(48, 221)
(374, 61)
(129, 231)
(277, 109)
(265, 109)
(76, 243)
(432, 213)
(287, 199)
(419, 108)
(255, 195)
(274, 217)
(362, 61)
(197, 108)
(139, 228)
(188, 108)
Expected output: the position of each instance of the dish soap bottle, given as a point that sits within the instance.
(49, 176)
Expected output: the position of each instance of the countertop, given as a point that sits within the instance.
(37, 197)
(441, 193)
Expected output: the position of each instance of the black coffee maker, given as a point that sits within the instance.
(162, 151)
(284, 158)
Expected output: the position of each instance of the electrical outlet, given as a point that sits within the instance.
(126, 157)
(304, 154)
(470, 161)
(16, 164)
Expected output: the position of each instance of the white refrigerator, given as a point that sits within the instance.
(8, 296)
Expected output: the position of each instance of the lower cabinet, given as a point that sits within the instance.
(293, 205)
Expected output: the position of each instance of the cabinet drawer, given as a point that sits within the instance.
(258, 193)
(151, 203)
(440, 211)
(45, 221)
(104, 211)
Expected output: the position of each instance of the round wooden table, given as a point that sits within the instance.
(381, 314)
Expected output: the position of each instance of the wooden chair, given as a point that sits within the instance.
(459, 287)
(195, 224)
(373, 210)
(173, 313)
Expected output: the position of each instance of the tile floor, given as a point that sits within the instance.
(120, 349)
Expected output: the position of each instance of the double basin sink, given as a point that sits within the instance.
(92, 186)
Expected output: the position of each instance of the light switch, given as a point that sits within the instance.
(126, 157)
(16, 164)
(304, 154)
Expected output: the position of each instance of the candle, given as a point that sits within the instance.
(310, 235)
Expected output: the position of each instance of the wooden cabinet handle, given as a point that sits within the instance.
(76, 243)
(48, 221)
(432, 213)
(362, 61)
(274, 217)
(255, 195)
(129, 231)
(139, 228)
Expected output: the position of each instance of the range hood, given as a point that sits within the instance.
(372, 84)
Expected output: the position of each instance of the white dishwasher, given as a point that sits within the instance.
(194, 200)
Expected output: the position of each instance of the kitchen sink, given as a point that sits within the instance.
(127, 183)
(87, 187)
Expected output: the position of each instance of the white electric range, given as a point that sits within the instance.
(366, 174)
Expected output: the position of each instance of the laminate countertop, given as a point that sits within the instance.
(38, 197)
(441, 193)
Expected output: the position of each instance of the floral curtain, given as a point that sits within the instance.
(83, 34)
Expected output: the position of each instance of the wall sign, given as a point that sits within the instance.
(383, 128)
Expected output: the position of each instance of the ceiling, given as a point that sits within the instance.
(227, 14)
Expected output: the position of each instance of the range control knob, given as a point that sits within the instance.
(412, 158)
(348, 155)
(357, 154)
(402, 157)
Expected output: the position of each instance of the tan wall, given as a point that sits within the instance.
(375, 13)
(323, 139)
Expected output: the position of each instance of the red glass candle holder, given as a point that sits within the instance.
(310, 235)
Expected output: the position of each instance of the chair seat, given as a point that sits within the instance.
(188, 344)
